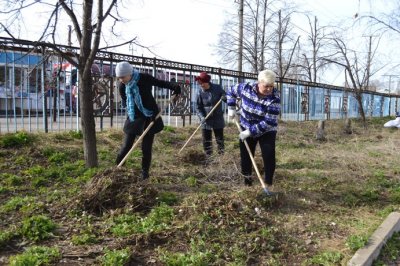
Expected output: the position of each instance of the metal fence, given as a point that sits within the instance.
(38, 91)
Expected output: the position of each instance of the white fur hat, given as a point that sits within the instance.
(123, 69)
(267, 76)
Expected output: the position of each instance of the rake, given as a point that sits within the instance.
(265, 189)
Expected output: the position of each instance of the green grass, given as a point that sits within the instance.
(36, 256)
(390, 251)
(16, 140)
(334, 194)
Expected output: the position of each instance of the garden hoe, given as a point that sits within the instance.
(143, 134)
(212, 110)
(265, 189)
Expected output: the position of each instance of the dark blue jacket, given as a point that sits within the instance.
(206, 100)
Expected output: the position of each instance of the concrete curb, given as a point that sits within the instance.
(366, 255)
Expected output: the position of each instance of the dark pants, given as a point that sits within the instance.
(267, 145)
(147, 145)
(207, 140)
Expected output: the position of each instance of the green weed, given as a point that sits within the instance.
(168, 198)
(124, 225)
(157, 220)
(84, 239)
(169, 129)
(3, 189)
(11, 180)
(76, 134)
(37, 227)
(191, 181)
(198, 255)
(58, 158)
(355, 242)
(16, 203)
(35, 256)
(116, 257)
(16, 140)
(327, 258)
(7, 236)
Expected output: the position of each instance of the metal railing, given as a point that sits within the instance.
(38, 90)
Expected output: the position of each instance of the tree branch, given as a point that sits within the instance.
(73, 18)
(118, 45)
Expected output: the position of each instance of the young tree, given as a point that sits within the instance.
(87, 18)
(312, 63)
(359, 67)
(256, 22)
(283, 38)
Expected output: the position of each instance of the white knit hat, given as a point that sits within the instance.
(123, 69)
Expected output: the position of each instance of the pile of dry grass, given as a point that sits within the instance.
(194, 157)
(116, 188)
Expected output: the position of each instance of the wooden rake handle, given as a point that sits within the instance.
(144, 134)
(139, 139)
(212, 110)
(252, 159)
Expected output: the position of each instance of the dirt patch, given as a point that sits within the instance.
(116, 188)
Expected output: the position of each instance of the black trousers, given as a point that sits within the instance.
(147, 146)
(207, 140)
(267, 145)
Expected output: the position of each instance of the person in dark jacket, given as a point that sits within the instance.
(260, 107)
(136, 91)
(207, 98)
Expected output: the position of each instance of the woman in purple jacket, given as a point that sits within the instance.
(260, 107)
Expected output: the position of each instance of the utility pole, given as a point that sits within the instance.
(69, 35)
(369, 60)
(390, 86)
(240, 48)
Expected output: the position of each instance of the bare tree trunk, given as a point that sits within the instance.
(87, 120)
(360, 107)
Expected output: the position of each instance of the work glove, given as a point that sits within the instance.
(244, 134)
(202, 120)
(176, 90)
(231, 112)
(223, 98)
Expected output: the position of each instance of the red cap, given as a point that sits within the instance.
(203, 77)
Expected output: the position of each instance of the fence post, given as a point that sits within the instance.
(44, 98)
(321, 130)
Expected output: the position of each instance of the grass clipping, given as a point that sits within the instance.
(116, 188)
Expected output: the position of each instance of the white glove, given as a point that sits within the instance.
(231, 112)
(244, 134)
